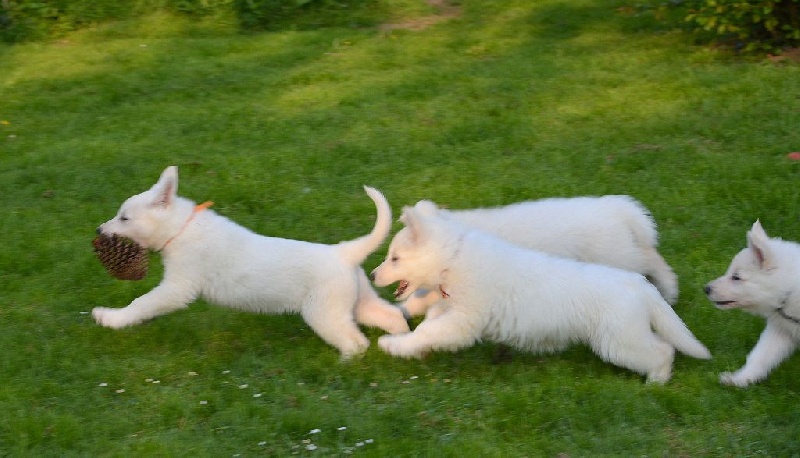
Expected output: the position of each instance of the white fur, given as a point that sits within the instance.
(616, 231)
(494, 290)
(208, 256)
(763, 279)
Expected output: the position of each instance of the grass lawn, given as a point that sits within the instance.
(504, 101)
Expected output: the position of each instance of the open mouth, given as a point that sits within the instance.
(725, 304)
(401, 288)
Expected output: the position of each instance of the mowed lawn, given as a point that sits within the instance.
(498, 102)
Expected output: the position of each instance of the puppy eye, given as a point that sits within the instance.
(395, 258)
(123, 218)
(736, 277)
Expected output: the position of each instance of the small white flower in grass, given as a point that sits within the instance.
(82, 313)
(414, 377)
(120, 391)
(311, 447)
(243, 386)
(342, 428)
(148, 380)
(368, 441)
(373, 384)
(192, 373)
(324, 398)
(359, 444)
(202, 403)
(315, 431)
(226, 372)
(155, 382)
(102, 384)
(406, 382)
(257, 395)
(262, 443)
(306, 441)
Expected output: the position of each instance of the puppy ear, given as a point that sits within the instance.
(410, 219)
(167, 187)
(426, 207)
(758, 243)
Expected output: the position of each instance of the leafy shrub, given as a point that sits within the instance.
(269, 14)
(748, 25)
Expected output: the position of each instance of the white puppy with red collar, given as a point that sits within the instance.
(613, 230)
(490, 289)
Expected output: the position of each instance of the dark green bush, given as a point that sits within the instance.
(761, 25)
(34, 19)
(269, 14)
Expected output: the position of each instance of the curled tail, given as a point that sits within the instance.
(356, 251)
(671, 328)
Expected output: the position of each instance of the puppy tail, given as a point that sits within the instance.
(672, 329)
(356, 251)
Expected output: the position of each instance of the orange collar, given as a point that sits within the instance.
(197, 209)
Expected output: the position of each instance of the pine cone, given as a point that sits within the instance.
(122, 257)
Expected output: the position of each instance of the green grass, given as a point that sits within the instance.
(512, 100)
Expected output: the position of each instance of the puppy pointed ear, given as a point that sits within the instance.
(166, 189)
(758, 243)
(426, 207)
(410, 219)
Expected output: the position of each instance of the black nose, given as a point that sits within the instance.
(99, 230)
(707, 289)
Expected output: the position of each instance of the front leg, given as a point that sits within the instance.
(419, 301)
(773, 346)
(161, 300)
(449, 331)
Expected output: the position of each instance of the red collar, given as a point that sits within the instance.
(197, 209)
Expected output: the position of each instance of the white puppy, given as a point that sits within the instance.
(494, 290)
(208, 256)
(763, 279)
(613, 230)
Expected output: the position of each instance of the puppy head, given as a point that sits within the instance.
(752, 280)
(147, 218)
(416, 253)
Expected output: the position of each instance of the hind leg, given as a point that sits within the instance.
(637, 348)
(329, 312)
(661, 275)
(371, 310)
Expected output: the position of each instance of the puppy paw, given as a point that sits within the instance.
(111, 318)
(354, 347)
(398, 345)
(735, 379)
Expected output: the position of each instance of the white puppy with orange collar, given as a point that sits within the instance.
(208, 256)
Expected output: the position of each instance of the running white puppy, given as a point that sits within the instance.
(494, 290)
(207, 255)
(763, 279)
(616, 231)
